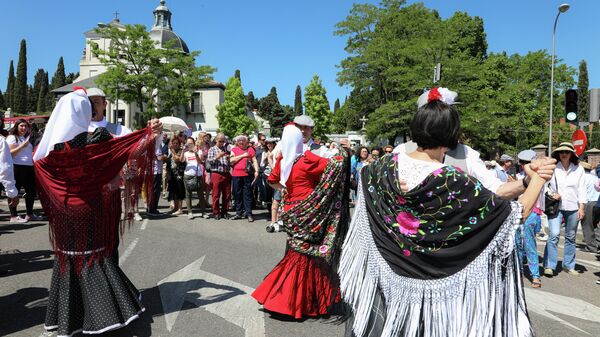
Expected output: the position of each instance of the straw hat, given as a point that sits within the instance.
(585, 165)
(566, 146)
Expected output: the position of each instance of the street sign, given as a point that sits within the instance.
(579, 140)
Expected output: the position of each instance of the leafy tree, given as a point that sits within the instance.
(298, 102)
(271, 110)
(317, 107)
(158, 80)
(2, 103)
(19, 95)
(238, 75)
(59, 79)
(583, 95)
(10, 84)
(232, 116)
(251, 102)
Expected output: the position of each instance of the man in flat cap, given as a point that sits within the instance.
(98, 99)
(504, 164)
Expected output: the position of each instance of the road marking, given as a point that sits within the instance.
(128, 251)
(542, 303)
(213, 293)
(592, 264)
(144, 224)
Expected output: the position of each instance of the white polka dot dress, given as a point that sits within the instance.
(100, 297)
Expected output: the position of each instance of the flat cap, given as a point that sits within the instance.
(304, 120)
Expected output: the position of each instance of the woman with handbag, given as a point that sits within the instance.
(567, 186)
(176, 167)
(244, 173)
(193, 175)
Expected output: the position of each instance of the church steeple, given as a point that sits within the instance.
(162, 17)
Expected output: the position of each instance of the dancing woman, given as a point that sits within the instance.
(75, 173)
(304, 283)
(440, 259)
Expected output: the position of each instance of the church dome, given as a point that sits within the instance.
(162, 31)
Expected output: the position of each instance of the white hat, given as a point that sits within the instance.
(527, 155)
(304, 120)
(91, 92)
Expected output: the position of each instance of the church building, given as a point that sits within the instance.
(199, 114)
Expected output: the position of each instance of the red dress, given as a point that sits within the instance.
(300, 285)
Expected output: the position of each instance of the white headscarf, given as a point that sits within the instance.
(292, 147)
(71, 116)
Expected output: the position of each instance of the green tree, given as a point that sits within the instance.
(35, 90)
(10, 85)
(232, 116)
(59, 79)
(158, 80)
(317, 107)
(251, 102)
(583, 92)
(44, 101)
(298, 102)
(238, 75)
(2, 103)
(271, 110)
(19, 95)
(336, 105)
(71, 77)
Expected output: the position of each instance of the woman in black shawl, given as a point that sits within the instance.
(440, 259)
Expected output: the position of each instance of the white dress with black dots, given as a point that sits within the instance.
(98, 299)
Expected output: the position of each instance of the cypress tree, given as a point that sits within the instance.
(583, 96)
(271, 110)
(10, 85)
(238, 75)
(42, 101)
(251, 102)
(59, 79)
(336, 105)
(31, 102)
(2, 106)
(37, 84)
(71, 77)
(298, 101)
(20, 92)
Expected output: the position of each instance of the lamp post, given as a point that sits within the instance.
(561, 9)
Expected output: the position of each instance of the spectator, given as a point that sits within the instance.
(244, 175)
(265, 191)
(362, 159)
(7, 171)
(22, 151)
(504, 165)
(218, 158)
(176, 167)
(164, 146)
(376, 153)
(568, 186)
(588, 224)
(203, 144)
(193, 175)
(388, 149)
(161, 156)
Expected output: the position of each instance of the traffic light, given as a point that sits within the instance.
(571, 112)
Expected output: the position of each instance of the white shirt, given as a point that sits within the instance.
(192, 167)
(25, 155)
(121, 130)
(591, 193)
(571, 186)
(475, 168)
(322, 151)
(7, 177)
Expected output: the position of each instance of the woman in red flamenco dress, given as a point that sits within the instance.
(305, 283)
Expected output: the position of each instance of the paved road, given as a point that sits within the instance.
(196, 276)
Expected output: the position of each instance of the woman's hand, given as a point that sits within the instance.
(555, 196)
(580, 213)
(156, 126)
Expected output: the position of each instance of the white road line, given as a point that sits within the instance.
(128, 251)
(144, 224)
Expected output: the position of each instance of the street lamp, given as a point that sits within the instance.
(561, 9)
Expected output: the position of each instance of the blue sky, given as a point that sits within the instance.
(281, 43)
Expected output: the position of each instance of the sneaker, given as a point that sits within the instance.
(179, 212)
(548, 272)
(190, 215)
(34, 217)
(598, 282)
(270, 228)
(235, 217)
(18, 219)
(137, 217)
(571, 272)
(250, 218)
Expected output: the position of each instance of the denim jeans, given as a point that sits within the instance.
(242, 193)
(526, 244)
(551, 251)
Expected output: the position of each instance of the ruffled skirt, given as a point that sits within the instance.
(100, 299)
(299, 286)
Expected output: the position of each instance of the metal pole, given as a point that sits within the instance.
(552, 86)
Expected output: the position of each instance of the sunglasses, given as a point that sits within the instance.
(388, 151)
(564, 152)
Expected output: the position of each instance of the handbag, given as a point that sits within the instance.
(551, 204)
(249, 166)
(191, 184)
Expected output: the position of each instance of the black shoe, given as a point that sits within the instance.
(217, 217)
(589, 249)
(225, 216)
(235, 217)
(250, 218)
(270, 228)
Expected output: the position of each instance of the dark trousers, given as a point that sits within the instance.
(221, 188)
(242, 191)
(157, 188)
(591, 233)
(25, 178)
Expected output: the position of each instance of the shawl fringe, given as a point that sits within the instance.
(483, 299)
